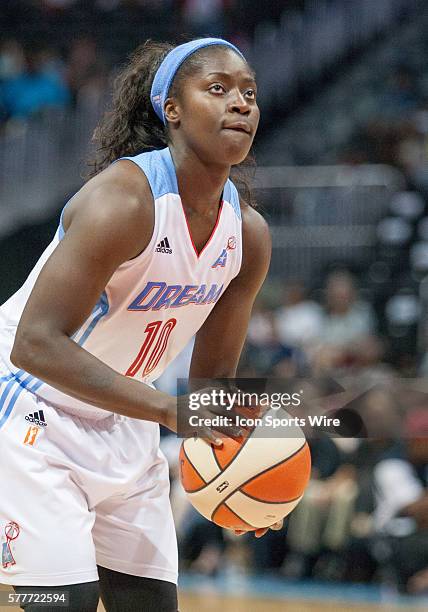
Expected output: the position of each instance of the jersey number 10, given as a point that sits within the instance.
(151, 357)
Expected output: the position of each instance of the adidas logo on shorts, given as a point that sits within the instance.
(163, 247)
(38, 418)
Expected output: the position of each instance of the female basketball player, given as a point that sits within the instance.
(153, 249)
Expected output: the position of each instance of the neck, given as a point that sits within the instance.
(200, 185)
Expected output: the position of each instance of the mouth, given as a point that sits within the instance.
(239, 127)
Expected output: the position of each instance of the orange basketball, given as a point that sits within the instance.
(248, 483)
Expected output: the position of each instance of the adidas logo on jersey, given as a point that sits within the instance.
(163, 246)
(38, 418)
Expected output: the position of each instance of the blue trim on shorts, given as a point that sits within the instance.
(28, 383)
(11, 404)
(6, 378)
(8, 404)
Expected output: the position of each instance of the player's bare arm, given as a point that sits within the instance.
(219, 342)
(108, 222)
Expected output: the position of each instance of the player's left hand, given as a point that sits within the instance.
(258, 533)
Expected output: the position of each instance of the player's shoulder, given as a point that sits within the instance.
(120, 193)
(255, 229)
(116, 206)
(122, 179)
(256, 246)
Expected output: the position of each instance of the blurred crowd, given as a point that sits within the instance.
(377, 109)
(37, 79)
(43, 67)
(399, 135)
(364, 515)
(300, 336)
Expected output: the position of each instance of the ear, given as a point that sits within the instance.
(172, 111)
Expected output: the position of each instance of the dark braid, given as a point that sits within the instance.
(132, 125)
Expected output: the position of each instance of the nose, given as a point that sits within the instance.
(238, 103)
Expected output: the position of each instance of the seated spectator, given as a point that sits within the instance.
(12, 64)
(329, 534)
(262, 341)
(366, 362)
(330, 495)
(265, 354)
(381, 414)
(12, 59)
(347, 320)
(39, 86)
(86, 70)
(401, 513)
(204, 17)
(299, 320)
(401, 95)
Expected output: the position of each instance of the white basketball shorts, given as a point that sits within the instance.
(75, 493)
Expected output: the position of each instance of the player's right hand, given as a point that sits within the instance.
(210, 434)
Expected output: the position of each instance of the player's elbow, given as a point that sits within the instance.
(28, 349)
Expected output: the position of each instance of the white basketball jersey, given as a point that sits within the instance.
(153, 304)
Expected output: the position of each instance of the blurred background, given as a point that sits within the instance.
(342, 179)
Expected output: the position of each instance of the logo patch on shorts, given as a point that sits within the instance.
(31, 435)
(11, 531)
(38, 418)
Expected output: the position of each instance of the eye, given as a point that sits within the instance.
(217, 88)
(251, 93)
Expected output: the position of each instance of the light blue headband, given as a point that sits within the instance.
(172, 62)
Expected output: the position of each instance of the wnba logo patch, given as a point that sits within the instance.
(11, 531)
(220, 262)
(31, 435)
(231, 243)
